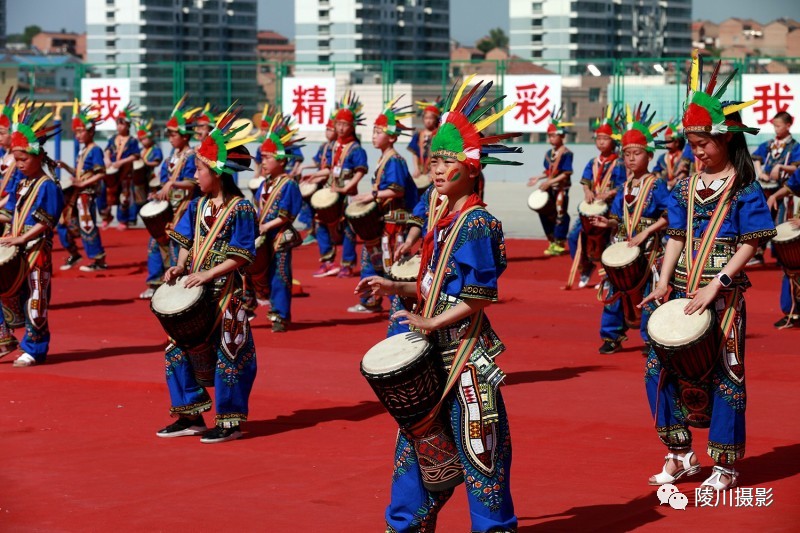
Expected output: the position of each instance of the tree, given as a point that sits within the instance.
(29, 32)
(497, 39)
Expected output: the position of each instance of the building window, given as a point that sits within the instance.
(536, 7)
(573, 109)
(536, 53)
(594, 94)
(536, 38)
(536, 23)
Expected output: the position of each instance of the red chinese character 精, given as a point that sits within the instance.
(533, 104)
(309, 104)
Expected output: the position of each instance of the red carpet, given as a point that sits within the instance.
(80, 454)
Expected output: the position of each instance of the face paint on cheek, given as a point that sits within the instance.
(453, 174)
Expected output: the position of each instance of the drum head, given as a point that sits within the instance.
(786, 232)
(138, 164)
(307, 188)
(620, 254)
(422, 181)
(669, 326)
(596, 208)
(171, 299)
(153, 208)
(255, 183)
(394, 353)
(154, 183)
(538, 199)
(112, 170)
(324, 198)
(357, 210)
(407, 269)
(7, 253)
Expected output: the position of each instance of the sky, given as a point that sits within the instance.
(465, 27)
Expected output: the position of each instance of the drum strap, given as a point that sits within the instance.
(632, 219)
(555, 160)
(696, 265)
(671, 163)
(12, 166)
(602, 184)
(173, 177)
(202, 246)
(81, 160)
(340, 153)
(651, 261)
(470, 338)
(266, 204)
(436, 208)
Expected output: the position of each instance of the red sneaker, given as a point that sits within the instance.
(326, 269)
(345, 272)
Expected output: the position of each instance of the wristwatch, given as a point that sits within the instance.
(724, 279)
(374, 195)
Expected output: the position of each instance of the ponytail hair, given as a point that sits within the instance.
(739, 156)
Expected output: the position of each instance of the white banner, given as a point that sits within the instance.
(536, 96)
(310, 101)
(111, 95)
(775, 92)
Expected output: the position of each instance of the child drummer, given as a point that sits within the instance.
(463, 256)
(396, 194)
(178, 187)
(556, 178)
(278, 203)
(638, 216)
(37, 205)
(790, 286)
(80, 218)
(151, 156)
(216, 234)
(420, 144)
(120, 153)
(668, 165)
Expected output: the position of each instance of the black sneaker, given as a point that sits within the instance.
(278, 326)
(183, 427)
(95, 267)
(220, 434)
(70, 262)
(610, 347)
(788, 322)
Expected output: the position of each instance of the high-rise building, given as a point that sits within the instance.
(599, 29)
(142, 40)
(3, 14)
(353, 32)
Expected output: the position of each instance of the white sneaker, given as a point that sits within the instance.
(25, 360)
(147, 294)
(584, 281)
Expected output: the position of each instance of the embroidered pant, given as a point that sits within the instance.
(556, 227)
(306, 215)
(234, 371)
(7, 339)
(279, 276)
(371, 265)
(723, 397)
(414, 508)
(159, 258)
(80, 220)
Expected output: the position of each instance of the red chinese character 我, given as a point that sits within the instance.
(105, 101)
(309, 104)
(770, 100)
(533, 104)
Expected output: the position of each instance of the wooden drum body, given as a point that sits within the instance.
(688, 347)
(328, 206)
(11, 268)
(786, 246)
(408, 379)
(625, 265)
(187, 316)
(366, 220)
(156, 215)
(543, 203)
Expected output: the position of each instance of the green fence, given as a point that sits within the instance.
(587, 84)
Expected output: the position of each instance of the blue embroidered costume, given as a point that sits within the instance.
(556, 226)
(80, 213)
(120, 191)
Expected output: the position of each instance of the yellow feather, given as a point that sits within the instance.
(655, 126)
(239, 142)
(628, 118)
(694, 74)
(488, 121)
(565, 124)
(179, 104)
(608, 111)
(464, 85)
(737, 107)
(42, 122)
(75, 106)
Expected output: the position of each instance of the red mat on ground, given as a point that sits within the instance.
(79, 450)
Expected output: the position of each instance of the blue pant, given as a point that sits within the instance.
(575, 234)
(327, 250)
(34, 304)
(306, 215)
(415, 508)
(81, 221)
(159, 259)
(279, 276)
(787, 298)
(127, 211)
